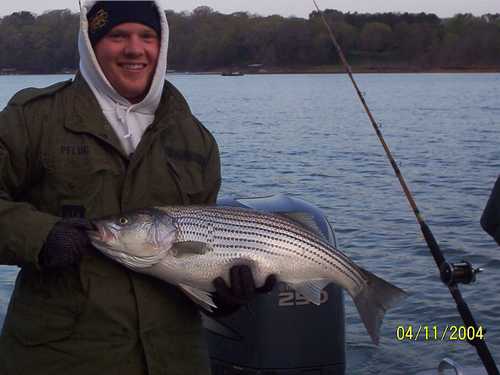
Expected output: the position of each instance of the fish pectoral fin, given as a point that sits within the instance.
(305, 220)
(199, 296)
(188, 248)
(310, 289)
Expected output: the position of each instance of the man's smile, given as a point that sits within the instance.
(133, 66)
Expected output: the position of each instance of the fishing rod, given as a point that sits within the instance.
(451, 274)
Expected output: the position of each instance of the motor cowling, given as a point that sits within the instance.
(281, 333)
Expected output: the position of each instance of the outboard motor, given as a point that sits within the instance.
(281, 333)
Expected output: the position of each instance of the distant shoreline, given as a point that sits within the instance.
(339, 69)
(357, 70)
(334, 69)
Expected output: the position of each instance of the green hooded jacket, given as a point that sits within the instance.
(58, 152)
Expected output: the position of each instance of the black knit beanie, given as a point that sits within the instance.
(105, 15)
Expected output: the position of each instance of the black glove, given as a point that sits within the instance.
(66, 243)
(241, 292)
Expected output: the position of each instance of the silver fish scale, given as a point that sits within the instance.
(242, 231)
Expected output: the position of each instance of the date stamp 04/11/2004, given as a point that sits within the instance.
(448, 332)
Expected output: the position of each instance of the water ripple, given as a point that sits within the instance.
(316, 143)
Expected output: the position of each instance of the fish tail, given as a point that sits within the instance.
(374, 300)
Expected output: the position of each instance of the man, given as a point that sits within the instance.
(116, 138)
(490, 219)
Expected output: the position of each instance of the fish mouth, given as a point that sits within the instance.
(105, 240)
(101, 237)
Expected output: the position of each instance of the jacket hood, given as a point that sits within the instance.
(93, 74)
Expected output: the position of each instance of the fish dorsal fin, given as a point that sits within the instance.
(189, 248)
(201, 297)
(304, 219)
(310, 289)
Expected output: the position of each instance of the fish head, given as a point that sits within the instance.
(139, 239)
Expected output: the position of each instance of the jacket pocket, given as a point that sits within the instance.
(92, 186)
(37, 326)
(44, 306)
(181, 353)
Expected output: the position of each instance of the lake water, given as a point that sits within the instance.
(306, 135)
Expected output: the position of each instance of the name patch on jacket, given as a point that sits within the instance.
(185, 155)
(74, 149)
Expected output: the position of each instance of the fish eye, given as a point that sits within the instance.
(123, 221)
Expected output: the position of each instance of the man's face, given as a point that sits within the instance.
(128, 55)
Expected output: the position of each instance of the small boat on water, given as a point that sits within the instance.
(232, 74)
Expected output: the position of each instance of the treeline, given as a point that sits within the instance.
(207, 40)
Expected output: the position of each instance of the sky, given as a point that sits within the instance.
(299, 8)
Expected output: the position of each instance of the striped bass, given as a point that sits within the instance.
(190, 246)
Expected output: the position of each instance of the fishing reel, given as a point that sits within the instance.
(458, 273)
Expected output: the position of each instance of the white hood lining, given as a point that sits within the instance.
(128, 120)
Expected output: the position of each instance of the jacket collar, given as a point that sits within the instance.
(86, 115)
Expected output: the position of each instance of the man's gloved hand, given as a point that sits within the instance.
(66, 243)
(242, 289)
